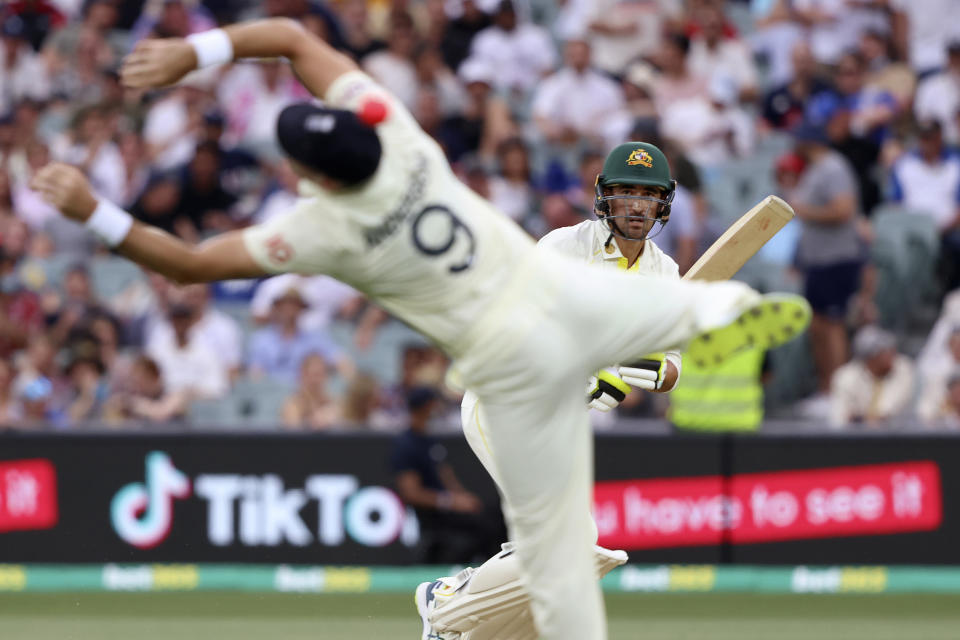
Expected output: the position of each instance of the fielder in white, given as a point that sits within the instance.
(382, 211)
(633, 196)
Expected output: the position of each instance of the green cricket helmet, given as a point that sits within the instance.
(634, 163)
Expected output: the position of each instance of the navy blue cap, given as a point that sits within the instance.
(334, 142)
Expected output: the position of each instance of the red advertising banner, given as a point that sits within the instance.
(28, 495)
(765, 507)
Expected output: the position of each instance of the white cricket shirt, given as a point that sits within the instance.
(412, 237)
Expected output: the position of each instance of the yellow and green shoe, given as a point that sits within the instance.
(775, 319)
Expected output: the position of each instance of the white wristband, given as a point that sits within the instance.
(212, 47)
(110, 223)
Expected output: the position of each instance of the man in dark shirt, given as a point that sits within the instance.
(454, 525)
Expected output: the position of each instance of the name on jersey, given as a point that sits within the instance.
(414, 192)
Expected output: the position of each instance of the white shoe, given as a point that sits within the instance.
(423, 597)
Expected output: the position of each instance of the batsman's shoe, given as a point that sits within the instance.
(774, 319)
(425, 600)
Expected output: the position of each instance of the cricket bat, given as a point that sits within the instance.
(741, 241)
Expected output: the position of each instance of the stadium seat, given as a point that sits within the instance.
(112, 274)
(257, 402)
(905, 250)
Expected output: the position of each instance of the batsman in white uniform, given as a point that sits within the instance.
(382, 211)
(632, 202)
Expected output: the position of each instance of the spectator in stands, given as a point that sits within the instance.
(278, 350)
(884, 74)
(558, 212)
(452, 525)
(212, 327)
(713, 130)
(22, 72)
(935, 378)
(358, 42)
(519, 54)
(99, 18)
(281, 193)
(714, 52)
(460, 32)
(89, 145)
(186, 360)
(835, 26)
(157, 205)
(81, 75)
(86, 374)
(948, 417)
(203, 200)
(922, 30)
(133, 151)
(362, 406)
(171, 19)
(624, 30)
(784, 105)
(448, 132)
(9, 409)
(487, 120)
(171, 125)
(676, 82)
(241, 174)
(511, 190)
(775, 37)
(393, 67)
(116, 359)
(927, 181)
(938, 96)
(36, 404)
(325, 297)
(311, 406)
(576, 103)
(830, 252)
(145, 399)
(858, 120)
(72, 311)
(21, 314)
(432, 72)
(876, 387)
(639, 83)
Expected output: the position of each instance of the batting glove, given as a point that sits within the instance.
(647, 374)
(605, 390)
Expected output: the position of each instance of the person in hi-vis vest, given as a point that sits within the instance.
(724, 398)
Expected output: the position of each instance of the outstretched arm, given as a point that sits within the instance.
(221, 258)
(158, 63)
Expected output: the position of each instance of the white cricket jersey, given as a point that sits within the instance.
(587, 241)
(413, 237)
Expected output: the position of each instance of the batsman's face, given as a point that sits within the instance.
(634, 208)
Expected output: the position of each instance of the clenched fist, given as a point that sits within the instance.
(67, 189)
(158, 63)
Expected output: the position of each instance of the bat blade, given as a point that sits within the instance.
(741, 241)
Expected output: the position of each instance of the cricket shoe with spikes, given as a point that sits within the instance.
(425, 598)
(772, 320)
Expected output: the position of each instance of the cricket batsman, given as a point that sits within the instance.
(633, 196)
(381, 210)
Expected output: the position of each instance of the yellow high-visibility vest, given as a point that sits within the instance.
(724, 398)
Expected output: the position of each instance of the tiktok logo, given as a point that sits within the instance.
(142, 514)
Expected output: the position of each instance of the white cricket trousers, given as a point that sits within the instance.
(527, 362)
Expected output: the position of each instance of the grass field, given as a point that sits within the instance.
(242, 616)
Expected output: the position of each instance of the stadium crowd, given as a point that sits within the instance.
(849, 109)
